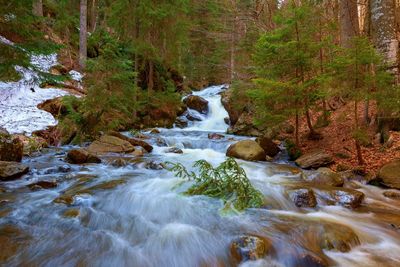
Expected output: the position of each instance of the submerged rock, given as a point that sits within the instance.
(12, 239)
(270, 148)
(11, 148)
(181, 123)
(215, 136)
(155, 131)
(389, 174)
(12, 170)
(346, 197)
(249, 247)
(174, 150)
(325, 176)
(42, 185)
(303, 198)
(246, 150)
(197, 103)
(311, 260)
(81, 156)
(110, 144)
(314, 159)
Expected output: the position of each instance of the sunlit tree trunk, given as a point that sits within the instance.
(83, 34)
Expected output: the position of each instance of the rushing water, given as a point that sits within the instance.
(136, 215)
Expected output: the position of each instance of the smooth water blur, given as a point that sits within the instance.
(136, 215)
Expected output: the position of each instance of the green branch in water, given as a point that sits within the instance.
(228, 182)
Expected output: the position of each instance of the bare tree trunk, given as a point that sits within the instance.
(93, 16)
(357, 142)
(83, 34)
(37, 8)
(349, 24)
(383, 29)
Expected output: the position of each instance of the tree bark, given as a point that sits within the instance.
(83, 34)
(383, 30)
(37, 8)
(349, 24)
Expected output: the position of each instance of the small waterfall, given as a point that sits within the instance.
(214, 121)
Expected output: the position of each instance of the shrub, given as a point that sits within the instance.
(228, 182)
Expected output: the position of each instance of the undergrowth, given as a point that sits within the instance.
(228, 182)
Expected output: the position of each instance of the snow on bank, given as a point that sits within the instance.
(19, 100)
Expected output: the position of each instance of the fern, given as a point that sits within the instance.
(228, 182)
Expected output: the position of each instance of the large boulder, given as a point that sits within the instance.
(249, 247)
(12, 170)
(389, 174)
(325, 176)
(246, 150)
(197, 103)
(314, 159)
(110, 144)
(81, 156)
(245, 126)
(231, 108)
(270, 148)
(11, 148)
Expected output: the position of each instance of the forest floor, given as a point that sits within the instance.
(338, 140)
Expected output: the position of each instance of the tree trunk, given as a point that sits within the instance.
(349, 25)
(383, 30)
(83, 35)
(93, 16)
(297, 128)
(37, 8)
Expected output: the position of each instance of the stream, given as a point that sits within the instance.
(136, 215)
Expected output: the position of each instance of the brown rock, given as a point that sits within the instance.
(346, 197)
(174, 150)
(314, 159)
(197, 103)
(215, 136)
(133, 141)
(11, 240)
(11, 148)
(392, 194)
(325, 176)
(110, 144)
(42, 185)
(10, 170)
(389, 174)
(246, 150)
(303, 198)
(54, 106)
(270, 148)
(81, 156)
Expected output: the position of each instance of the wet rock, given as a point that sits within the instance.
(310, 260)
(231, 108)
(197, 103)
(270, 148)
(134, 141)
(154, 165)
(42, 185)
(303, 198)
(181, 123)
(325, 176)
(12, 239)
(227, 121)
(389, 174)
(12, 170)
(11, 148)
(337, 237)
(155, 131)
(314, 159)
(81, 156)
(174, 150)
(161, 142)
(54, 106)
(249, 247)
(139, 152)
(192, 117)
(246, 150)
(58, 169)
(392, 194)
(346, 197)
(215, 136)
(71, 213)
(110, 144)
(120, 162)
